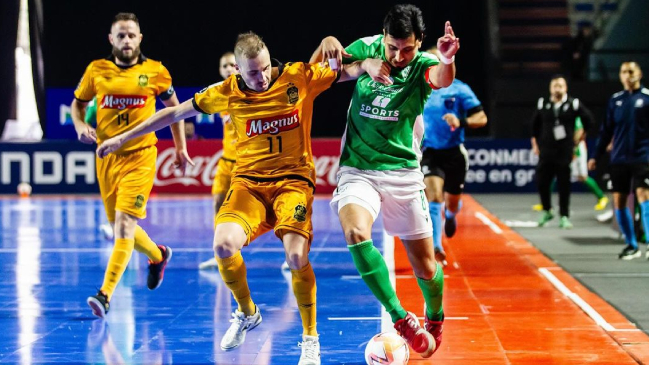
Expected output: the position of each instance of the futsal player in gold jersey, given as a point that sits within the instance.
(223, 175)
(274, 177)
(126, 85)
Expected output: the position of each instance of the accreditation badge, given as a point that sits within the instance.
(559, 132)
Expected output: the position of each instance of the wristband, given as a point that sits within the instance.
(333, 64)
(464, 123)
(446, 61)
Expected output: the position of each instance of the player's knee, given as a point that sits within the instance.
(426, 269)
(356, 234)
(124, 225)
(435, 195)
(226, 245)
(224, 248)
(297, 259)
(436, 198)
(229, 238)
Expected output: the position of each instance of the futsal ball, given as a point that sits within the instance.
(387, 348)
(24, 189)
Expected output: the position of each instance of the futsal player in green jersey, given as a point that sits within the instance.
(379, 163)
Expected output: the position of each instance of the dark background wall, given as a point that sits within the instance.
(189, 36)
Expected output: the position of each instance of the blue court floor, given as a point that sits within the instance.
(53, 256)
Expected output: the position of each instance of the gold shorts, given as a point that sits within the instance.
(259, 206)
(126, 180)
(223, 176)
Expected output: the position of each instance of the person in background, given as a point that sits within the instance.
(190, 132)
(125, 86)
(579, 169)
(553, 139)
(627, 126)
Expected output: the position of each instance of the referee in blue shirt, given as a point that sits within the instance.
(447, 113)
(627, 124)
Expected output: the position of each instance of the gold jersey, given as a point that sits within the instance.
(126, 97)
(273, 127)
(229, 137)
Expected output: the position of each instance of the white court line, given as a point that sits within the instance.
(358, 277)
(388, 255)
(521, 224)
(612, 275)
(494, 227)
(592, 313)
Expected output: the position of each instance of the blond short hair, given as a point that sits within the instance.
(248, 45)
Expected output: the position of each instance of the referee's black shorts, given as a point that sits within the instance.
(624, 176)
(449, 164)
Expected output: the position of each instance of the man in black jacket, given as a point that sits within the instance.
(553, 139)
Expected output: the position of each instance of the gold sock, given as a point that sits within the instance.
(145, 245)
(233, 272)
(117, 265)
(304, 289)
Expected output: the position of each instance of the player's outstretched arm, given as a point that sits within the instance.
(328, 50)
(377, 69)
(159, 120)
(447, 45)
(351, 71)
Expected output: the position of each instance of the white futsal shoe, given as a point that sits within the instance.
(310, 351)
(241, 324)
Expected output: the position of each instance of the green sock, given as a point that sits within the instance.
(374, 271)
(553, 186)
(592, 186)
(432, 290)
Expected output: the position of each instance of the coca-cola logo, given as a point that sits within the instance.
(201, 174)
(272, 125)
(123, 101)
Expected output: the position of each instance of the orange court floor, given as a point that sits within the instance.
(506, 303)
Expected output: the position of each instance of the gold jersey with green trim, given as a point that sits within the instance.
(125, 97)
(273, 127)
(384, 122)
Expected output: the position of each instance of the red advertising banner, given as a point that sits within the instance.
(206, 153)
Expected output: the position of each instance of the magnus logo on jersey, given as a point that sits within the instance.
(272, 125)
(123, 101)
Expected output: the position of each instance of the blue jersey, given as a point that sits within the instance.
(627, 123)
(457, 99)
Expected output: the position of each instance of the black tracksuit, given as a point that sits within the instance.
(554, 128)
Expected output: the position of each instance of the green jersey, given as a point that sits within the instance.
(91, 112)
(578, 126)
(384, 122)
